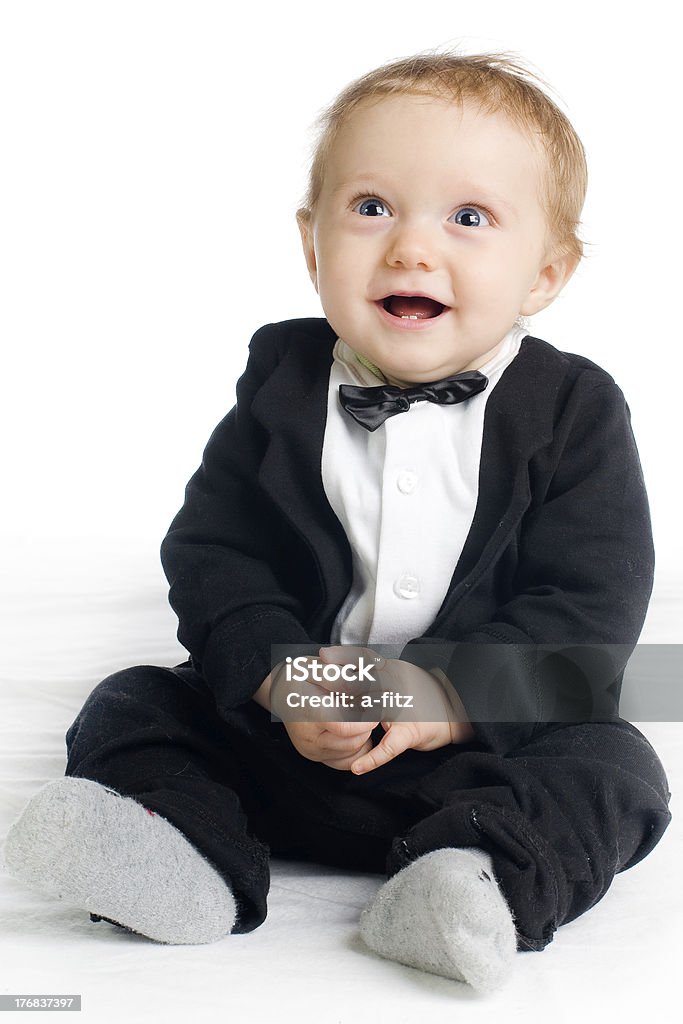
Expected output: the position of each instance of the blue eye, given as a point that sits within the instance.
(471, 217)
(372, 208)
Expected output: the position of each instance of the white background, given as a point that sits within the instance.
(153, 156)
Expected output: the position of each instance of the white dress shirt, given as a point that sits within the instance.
(405, 495)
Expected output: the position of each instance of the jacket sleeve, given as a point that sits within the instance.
(556, 648)
(220, 554)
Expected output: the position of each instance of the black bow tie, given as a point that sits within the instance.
(372, 406)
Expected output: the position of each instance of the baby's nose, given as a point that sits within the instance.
(412, 246)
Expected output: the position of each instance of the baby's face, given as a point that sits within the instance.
(429, 237)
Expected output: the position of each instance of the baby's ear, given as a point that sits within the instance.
(550, 280)
(304, 220)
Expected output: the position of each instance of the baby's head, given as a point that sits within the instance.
(443, 203)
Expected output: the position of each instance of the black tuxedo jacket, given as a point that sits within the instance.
(559, 551)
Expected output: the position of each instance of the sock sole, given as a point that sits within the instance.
(83, 843)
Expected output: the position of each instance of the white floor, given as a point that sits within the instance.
(68, 619)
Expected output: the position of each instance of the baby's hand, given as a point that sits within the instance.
(335, 744)
(400, 736)
(429, 700)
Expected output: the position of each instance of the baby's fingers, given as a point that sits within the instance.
(347, 655)
(349, 667)
(350, 728)
(344, 763)
(394, 742)
(338, 744)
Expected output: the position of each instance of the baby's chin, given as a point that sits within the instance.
(426, 372)
(404, 381)
(409, 378)
(404, 377)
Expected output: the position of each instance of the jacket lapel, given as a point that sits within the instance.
(292, 406)
(518, 422)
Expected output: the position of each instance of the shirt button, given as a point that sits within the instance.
(407, 586)
(407, 481)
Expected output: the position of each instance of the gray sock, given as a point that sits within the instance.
(445, 914)
(84, 843)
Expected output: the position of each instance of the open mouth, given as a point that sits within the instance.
(412, 307)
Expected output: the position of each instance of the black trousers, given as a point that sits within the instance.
(559, 817)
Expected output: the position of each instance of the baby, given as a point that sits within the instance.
(414, 470)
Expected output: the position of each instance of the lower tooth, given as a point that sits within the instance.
(406, 317)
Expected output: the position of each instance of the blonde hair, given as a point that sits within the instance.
(499, 82)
